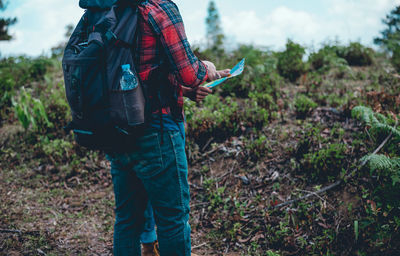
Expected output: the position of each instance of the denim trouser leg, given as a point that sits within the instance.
(162, 169)
(130, 204)
(149, 231)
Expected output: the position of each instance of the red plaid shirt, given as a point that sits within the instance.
(162, 38)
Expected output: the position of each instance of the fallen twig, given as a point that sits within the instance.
(206, 154)
(207, 144)
(41, 252)
(320, 197)
(198, 246)
(20, 232)
(337, 183)
(10, 231)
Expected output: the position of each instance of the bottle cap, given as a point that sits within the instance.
(126, 67)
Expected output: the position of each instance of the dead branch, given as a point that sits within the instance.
(20, 232)
(198, 246)
(337, 183)
(15, 231)
(207, 144)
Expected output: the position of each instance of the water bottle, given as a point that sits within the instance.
(128, 79)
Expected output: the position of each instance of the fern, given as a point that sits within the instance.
(386, 164)
(377, 122)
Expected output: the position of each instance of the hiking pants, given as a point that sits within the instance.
(157, 172)
(148, 234)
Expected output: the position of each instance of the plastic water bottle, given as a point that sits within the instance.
(128, 79)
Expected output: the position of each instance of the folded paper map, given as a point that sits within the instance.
(236, 71)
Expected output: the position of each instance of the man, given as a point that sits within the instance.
(156, 169)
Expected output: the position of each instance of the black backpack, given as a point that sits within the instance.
(104, 116)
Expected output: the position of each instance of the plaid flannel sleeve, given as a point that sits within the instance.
(167, 22)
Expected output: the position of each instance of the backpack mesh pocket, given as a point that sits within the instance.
(127, 107)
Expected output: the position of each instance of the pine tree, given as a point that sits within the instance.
(215, 36)
(390, 37)
(5, 23)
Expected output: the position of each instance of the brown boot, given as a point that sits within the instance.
(150, 249)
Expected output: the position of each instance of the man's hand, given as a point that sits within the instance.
(196, 94)
(213, 73)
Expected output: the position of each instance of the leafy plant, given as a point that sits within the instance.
(304, 105)
(379, 123)
(222, 118)
(257, 147)
(391, 166)
(326, 162)
(30, 111)
(326, 59)
(356, 54)
(264, 100)
(57, 149)
(290, 61)
(16, 72)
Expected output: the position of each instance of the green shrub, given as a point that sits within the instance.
(325, 163)
(338, 56)
(55, 102)
(304, 105)
(326, 59)
(217, 118)
(356, 54)
(57, 149)
(253, 115)
(264, 100)
(257, 148)
(19, 71)
(39, 67)
(222, 118)
(290, 61)
(259, 74)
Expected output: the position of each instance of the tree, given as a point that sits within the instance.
(5, 23)
(215, 36)
(390, 37)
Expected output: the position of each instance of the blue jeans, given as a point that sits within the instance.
(155, 172)
(149, 232)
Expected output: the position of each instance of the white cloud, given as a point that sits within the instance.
(346, 20)
(273, 28)
(41, 25)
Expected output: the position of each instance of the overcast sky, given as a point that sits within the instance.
(41, 23)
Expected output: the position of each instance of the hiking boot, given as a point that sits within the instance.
(150, 249)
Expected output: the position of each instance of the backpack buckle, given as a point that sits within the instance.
(110, 37)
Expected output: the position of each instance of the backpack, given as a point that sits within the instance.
(104, 117)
